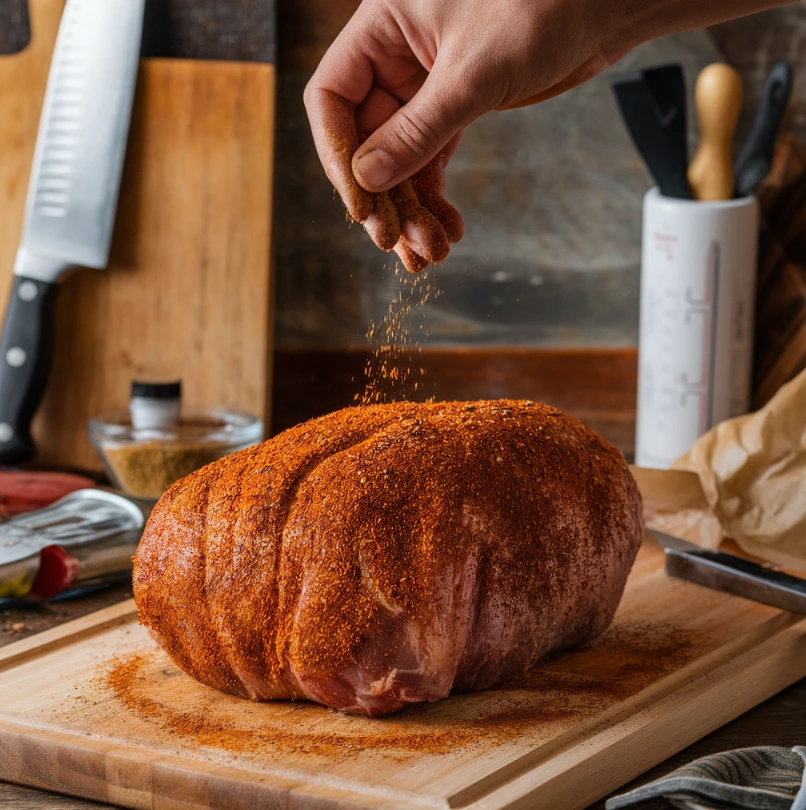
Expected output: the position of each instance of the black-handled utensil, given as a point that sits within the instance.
(25, 353)
(653, 105)
(755, 159)
(732, 574)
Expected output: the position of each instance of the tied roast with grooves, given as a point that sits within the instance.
(391, 554)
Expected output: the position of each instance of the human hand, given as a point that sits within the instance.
(390, 98)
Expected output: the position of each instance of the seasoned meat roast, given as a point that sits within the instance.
(391, 554)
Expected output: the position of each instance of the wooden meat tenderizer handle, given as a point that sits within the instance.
(718, 99)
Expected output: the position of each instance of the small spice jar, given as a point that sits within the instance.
(155, 444)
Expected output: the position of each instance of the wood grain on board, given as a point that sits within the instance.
(187, 293)
(109, 717)
(780, 720)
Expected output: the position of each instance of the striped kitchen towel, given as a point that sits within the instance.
(766, 778)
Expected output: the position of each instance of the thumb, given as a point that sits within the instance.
(417, 132)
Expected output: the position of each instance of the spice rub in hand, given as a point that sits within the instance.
(391, 554)
(413, 218)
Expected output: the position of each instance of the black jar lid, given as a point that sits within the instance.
(168, 390)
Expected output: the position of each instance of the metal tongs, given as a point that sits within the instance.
(85, 538)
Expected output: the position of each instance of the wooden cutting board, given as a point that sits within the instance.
(95, 709)
(188, 290)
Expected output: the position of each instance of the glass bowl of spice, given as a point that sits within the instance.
(155, 443)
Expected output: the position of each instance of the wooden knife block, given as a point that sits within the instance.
(187, 293)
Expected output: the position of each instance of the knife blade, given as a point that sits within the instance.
(72, 194)
(732, 574)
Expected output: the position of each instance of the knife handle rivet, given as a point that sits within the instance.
(6, 432)
(16, 356)
(28, 291)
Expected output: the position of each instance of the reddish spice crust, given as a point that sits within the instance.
(287, 568)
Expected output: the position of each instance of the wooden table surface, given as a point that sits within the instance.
(779, 721)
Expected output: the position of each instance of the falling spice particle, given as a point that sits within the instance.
(391, 376)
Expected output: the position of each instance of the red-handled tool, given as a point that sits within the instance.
(89, 534)
(88, 565)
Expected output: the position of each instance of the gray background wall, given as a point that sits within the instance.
(551, 195)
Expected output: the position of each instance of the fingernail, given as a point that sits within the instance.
(416, 247)
(376, 168)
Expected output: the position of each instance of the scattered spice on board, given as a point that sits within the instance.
(561, 692)
(146, 470)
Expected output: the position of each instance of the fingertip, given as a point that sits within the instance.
(336, 141)
(383, 225)
(455, 228)
(412, 261)
(359, 203)
(428, 236)
(429, 187)
(448, 216)
(421, 229)
(374, 169)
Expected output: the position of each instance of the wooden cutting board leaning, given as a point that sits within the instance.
(95, 709)
(188, 289)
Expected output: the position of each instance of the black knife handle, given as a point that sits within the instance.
(25, 355)
(740, 577)
(755, 160)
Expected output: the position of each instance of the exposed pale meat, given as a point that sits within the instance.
(391, 554)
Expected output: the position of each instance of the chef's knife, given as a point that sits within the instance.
(755, 159)
(732, 574)
(72, 194)
(653, 105)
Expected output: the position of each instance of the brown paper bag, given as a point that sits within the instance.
(753, 475)
(674, 502)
